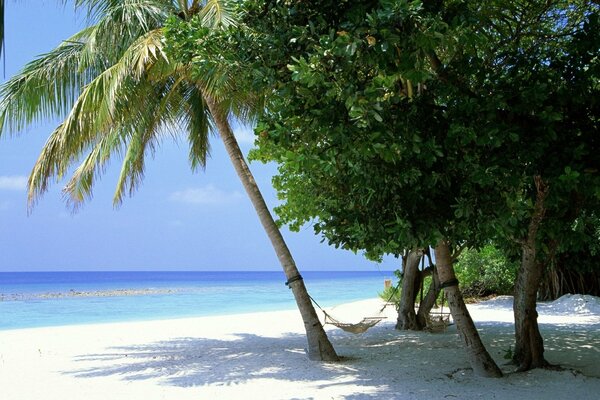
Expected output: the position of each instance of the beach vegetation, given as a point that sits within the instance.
(396, 125)
(359, 141)
(401, 125)
(120, 95)
(391, 294)
(486, 272)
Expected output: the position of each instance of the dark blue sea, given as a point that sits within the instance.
(37, 299)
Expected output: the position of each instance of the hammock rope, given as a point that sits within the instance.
(355, 328)
(360, 327)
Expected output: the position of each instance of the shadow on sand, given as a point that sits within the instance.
(383, 363)
(186, 362)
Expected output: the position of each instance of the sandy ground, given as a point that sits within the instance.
(261, 356)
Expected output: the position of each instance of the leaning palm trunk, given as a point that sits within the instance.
(481, 361)
(121, 94)
(319, 346)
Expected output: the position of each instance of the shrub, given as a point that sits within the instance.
(393, 293)
(485, 272)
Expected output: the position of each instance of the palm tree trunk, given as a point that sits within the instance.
(480, 360)
(319, 346)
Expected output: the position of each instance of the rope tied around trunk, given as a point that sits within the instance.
(293, 279)
(450, 283)
(356, 328)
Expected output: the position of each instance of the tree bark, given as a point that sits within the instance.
(480, 360)
(407, 317)
(319, 346)
(529, 345)
(429, 301)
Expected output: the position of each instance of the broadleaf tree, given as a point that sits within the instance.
(359, 139)
(403, 124)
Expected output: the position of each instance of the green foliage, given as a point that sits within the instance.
(358, 151)
(397, 123)
(391, 294)
(392, 121)
(485, 272)
(119, 94)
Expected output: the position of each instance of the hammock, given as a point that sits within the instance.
(438, 322)
(357, 328)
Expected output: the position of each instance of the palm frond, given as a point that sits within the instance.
(144, 109)
(195, 117)
(151, 119)
(48, 165)
(91, 116)
(47, 86)
(79, 187)
(98, 9)
(217, 14)
(120, 23)
(138, 130)
(132, 169)
(123, 97)
(143, 56)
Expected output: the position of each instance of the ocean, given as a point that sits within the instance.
(38, 299)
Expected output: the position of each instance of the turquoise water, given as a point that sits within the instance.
(31, 299)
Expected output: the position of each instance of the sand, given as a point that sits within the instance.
(261, 356)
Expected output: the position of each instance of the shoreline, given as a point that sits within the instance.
(239, 355)
(68, 299)
(72, 293)
(289, 307)
(159, 320)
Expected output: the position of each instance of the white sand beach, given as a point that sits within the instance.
(261, 356)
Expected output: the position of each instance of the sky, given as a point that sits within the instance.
(177, 220)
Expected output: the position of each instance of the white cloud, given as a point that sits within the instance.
(13, 182)
(208, 195)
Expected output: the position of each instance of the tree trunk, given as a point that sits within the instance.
(480, 360)
(529, 346)
(429, 300)
(319, 346)
(407, 318)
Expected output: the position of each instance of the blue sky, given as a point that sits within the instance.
(177, 220)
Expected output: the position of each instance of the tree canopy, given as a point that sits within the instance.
(396, 122)
(403, 124)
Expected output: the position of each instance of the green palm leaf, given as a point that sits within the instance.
(118, 94)
(47, 86)
(217, 14)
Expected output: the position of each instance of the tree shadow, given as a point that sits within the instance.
(571, 346)
(188, 361)
(578, 350)
(383, 363)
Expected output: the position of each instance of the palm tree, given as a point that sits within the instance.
(121, 94)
